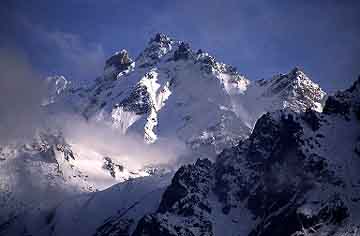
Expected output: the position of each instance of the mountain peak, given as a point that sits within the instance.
(118, 63)
(119, 60)
(297, 87)
(160, 38)
(158, 46)
(296, 70)
(295, 77)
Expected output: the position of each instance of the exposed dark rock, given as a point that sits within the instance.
(357, 147)
(312, 118)
(183, 52)
(355, 86)
(184, 198)
(187, 180)
(336, 106)
(111, 166)
(121, 61)
(160, 38)
(139, 101)
(157, 48)
(151, 225)
(115, 227)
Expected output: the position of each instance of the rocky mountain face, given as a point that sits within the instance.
(266, 157)
(295, 175)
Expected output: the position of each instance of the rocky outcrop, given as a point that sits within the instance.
(117, 63)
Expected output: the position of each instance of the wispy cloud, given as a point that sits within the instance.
(67, 52)
(87, 58)
(21, 94)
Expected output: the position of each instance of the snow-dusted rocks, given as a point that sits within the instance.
(297, 90)
(294, 91)
(158, 47)
(118, 64)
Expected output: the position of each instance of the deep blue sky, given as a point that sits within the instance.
(260, 38)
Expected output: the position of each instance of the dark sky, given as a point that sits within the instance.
(260, 38)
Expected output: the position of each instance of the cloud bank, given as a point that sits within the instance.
(21, 94)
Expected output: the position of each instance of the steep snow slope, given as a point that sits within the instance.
(90, 214)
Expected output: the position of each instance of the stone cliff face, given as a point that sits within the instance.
(285, 175)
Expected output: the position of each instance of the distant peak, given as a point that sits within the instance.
(160, 38)
(295, 74)
(296, 70)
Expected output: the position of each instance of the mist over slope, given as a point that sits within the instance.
(108, 158)
(172, 91)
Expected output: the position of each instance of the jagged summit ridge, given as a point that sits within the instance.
(275, 166)
(297, 87)
(158, 46)
(169, 87)
(161, 45)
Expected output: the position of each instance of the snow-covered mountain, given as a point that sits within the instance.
(171, 91)
(296, 174)
(274, 157)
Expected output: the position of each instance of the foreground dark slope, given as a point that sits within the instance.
(297, 174)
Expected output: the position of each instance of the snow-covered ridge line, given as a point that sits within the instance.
(171, 92)
(185, 80)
